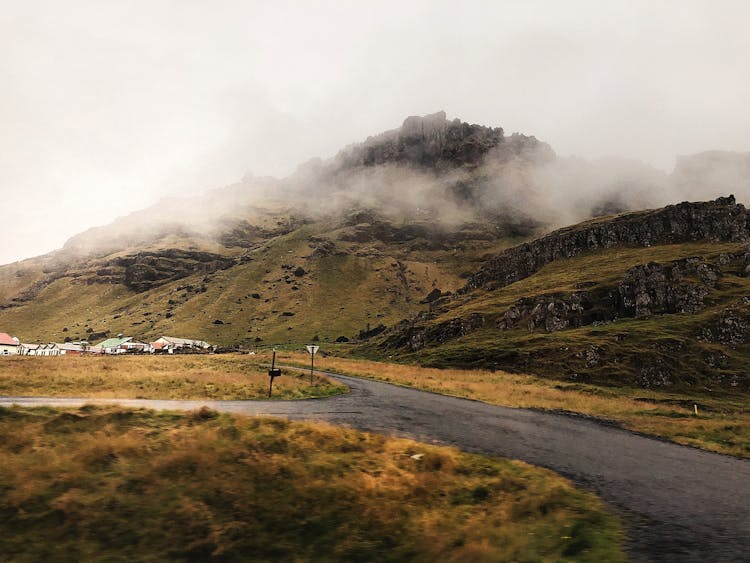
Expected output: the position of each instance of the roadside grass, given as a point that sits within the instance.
(108, 483)
(215, 377)
(722, 424)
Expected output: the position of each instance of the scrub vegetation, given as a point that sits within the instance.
(106, 483)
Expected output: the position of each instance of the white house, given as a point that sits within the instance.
(171, 343)
(78, 349)
(121, 345)
(50, 349)
(9, 345)
(28, 349)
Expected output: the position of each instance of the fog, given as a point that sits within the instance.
(107, 108)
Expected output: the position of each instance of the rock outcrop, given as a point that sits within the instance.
(412, 335)
(146, 270)
(434, 142)
(676, 287)
(713, 221)
(732, 327)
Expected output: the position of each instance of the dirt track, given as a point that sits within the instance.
(678, 503)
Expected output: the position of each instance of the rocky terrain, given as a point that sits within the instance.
(720, 220)
(649, 321)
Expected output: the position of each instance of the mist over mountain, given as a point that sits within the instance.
(436, 171)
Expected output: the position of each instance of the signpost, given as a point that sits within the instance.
(273, 372)
(311, 350)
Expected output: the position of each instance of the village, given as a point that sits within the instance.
(12, 346)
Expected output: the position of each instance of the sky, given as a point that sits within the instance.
(107, 107)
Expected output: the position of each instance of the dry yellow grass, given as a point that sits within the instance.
(722, 425)
(113, 484)
(217, 377)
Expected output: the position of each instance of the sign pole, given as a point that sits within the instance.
(273, 372)
(311, 349)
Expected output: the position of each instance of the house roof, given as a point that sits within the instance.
(7, 339)
(114, 342)
(183, 341)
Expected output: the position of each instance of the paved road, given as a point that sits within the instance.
(678, 503)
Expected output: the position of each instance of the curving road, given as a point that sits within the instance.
(678, 503)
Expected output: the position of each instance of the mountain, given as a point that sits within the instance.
(410, 241)
(360, 239)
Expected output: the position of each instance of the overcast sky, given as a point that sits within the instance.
(106, 107)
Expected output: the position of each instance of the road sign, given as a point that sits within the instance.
(311, 349)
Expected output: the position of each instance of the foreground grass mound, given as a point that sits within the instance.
(215, 377)
(114, 484)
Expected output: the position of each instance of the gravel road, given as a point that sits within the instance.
(678, 503)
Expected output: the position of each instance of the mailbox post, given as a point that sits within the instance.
(311, 350)
(272, 373)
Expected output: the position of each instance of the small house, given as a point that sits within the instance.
(169, 344)
(122, 345)
(50, 349)
(78, 348)
(28, 349)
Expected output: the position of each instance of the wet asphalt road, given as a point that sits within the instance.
(678, 503)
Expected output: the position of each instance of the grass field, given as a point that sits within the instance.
(722, 424)
(216, 377)
(113, 484)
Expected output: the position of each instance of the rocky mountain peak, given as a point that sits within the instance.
(434, 141)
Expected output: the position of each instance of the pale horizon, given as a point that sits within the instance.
(109, 108)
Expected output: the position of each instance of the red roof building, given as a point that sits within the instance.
(7, 340)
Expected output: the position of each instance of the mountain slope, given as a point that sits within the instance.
(654, 298)
(318, 279)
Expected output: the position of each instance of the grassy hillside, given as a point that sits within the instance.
(645, 299)
(116, 484)
(318, 279)
(504, 327)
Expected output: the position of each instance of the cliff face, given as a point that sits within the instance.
(714, 221)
